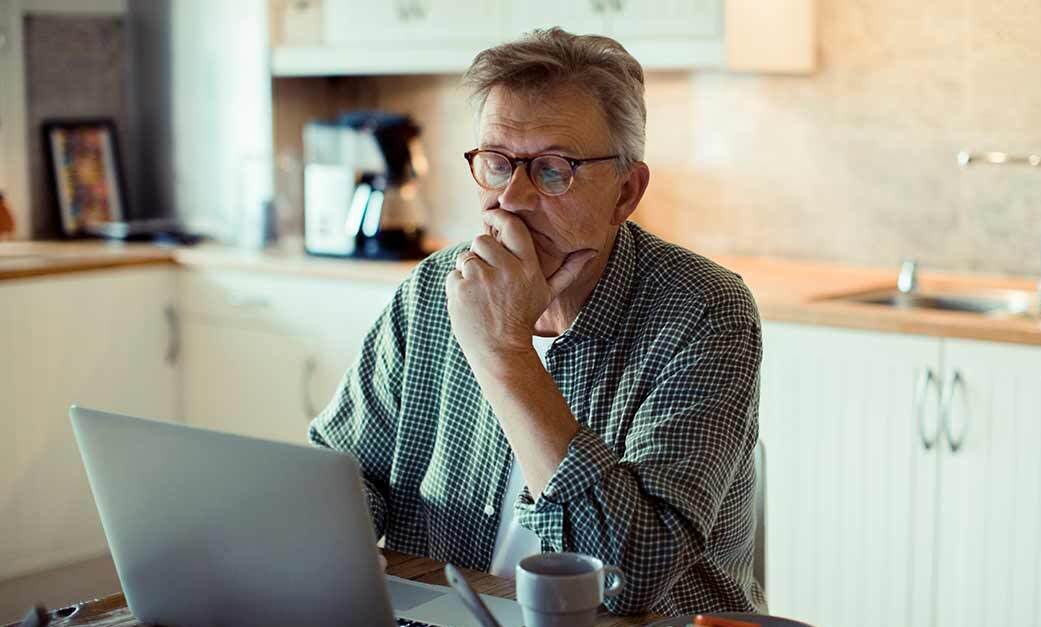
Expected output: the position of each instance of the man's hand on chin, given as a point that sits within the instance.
(497, 291)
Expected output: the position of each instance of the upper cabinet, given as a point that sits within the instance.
(673, 34)
(342, 37)
(386, 37)
(350, 23)
(576, 16)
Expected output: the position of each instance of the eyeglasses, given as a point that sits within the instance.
(550, 174)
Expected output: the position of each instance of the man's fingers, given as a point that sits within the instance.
(452, 280)
(512, 232)
(566, 275)
(467, 263)
(491, 251)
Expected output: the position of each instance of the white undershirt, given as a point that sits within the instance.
(513, 542)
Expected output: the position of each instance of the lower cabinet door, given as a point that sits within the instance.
(850, 486)
(104, 340)
(989, 522)
(248, 381)
(9, 423)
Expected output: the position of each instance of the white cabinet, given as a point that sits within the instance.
(674, 35)
(838, 420)
(672, 18)
(988, 534)
(425, 36)
(248, 353)
(669, 34)
(247, 381)
(582, 17)
(9, 421)
(410, 22)
(99, 339)
(394, 37)
(883, 499)
(264, 353)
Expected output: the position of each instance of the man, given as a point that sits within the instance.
(566, 381)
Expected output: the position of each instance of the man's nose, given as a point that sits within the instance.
(519, 194)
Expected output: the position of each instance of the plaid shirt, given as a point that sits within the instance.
(660, 368)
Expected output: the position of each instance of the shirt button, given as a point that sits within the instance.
(488, 509)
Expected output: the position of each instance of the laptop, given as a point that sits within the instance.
(210, 528)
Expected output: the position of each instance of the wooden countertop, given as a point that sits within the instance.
(786, 290)
(112, 611)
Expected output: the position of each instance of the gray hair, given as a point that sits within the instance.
(548, 59)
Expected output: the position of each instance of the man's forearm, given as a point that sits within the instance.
(533, 413)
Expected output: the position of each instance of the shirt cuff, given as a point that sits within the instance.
(377, 508)
(587, 460)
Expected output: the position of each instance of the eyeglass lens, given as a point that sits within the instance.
(551, 175)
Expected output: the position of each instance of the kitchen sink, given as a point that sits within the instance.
(994, 303)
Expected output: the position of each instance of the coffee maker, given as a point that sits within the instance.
(360, 196)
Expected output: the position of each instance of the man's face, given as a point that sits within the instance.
(565, 122)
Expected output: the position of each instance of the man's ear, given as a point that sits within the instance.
(633, 187)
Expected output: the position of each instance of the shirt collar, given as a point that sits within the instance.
(602, 313)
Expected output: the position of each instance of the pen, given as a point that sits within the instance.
(469, 597)
(708, 620)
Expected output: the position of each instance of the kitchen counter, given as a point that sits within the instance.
(786, 290)
(32, 259)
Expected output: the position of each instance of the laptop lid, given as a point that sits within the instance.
(209, 528)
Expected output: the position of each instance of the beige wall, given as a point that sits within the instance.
(855, 163)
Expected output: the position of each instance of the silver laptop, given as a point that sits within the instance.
(210, 528)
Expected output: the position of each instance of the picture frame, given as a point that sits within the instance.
(85, 171)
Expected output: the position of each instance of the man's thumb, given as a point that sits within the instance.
(568, 273)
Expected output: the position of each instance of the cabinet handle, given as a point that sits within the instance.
(173, 342)
(419, 11)
(947, 411)
(598, 6)
(247, 302)
(310, 367)
(403, 10)
(926, 379)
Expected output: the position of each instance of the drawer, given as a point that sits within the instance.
(286, 304)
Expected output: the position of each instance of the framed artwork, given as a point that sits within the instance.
(86, 177)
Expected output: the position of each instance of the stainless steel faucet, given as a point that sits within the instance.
(907, 282)
(966, 158)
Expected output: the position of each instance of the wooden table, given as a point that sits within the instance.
(111, 611)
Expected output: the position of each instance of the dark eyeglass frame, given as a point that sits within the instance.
(574, 163)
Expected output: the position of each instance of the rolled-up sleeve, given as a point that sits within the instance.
(362, 416)
(650, 508)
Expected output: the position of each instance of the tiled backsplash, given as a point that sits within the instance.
(855, 163)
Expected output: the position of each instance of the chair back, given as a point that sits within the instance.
(759, 557)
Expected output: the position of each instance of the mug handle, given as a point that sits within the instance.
(619, 581)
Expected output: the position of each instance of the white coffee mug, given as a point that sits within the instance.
(564, 589)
